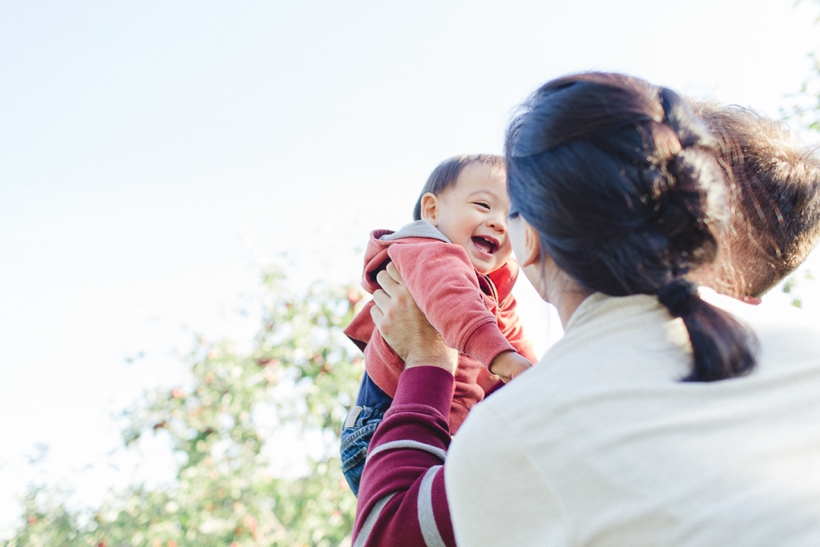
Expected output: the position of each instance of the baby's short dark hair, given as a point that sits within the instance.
(446, 174)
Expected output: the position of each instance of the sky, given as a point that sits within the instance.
(156, 156)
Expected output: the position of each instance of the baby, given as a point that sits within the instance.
(455, 260)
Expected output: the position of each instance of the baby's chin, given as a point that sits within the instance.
(486, 269)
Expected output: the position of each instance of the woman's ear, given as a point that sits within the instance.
(531, 254)
(430, 207)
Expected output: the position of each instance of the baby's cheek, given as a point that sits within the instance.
(504, 252)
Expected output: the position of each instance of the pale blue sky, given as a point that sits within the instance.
(153, 154)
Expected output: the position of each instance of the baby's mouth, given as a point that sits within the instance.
(485, 244)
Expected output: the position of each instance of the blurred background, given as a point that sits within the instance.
(185, 192)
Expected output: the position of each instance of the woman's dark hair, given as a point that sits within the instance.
(446, 174)
(617, 177)
(775, 191)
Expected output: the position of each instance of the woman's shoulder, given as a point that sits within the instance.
(786, 335)
(613, 339)
(630, 347)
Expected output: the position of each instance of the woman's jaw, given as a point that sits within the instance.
(553, 284)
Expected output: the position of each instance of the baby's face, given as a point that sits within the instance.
(473, 213)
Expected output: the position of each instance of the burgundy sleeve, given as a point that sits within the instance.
(402, 500)
(443, 283)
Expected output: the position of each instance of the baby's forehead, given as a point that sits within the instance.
(480, 178)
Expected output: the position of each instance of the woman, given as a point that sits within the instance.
(637, 428)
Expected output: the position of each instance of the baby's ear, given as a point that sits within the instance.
(430, 206)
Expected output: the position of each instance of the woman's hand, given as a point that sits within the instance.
(405, 328)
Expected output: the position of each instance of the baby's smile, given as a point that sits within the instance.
(486, 244)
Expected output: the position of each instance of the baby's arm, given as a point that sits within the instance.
(443, 282)
(513, 330)
(511, 365)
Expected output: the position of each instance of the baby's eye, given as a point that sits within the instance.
(483, 204)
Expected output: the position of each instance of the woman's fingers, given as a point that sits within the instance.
(404, 327)
(387, 282)
(380, 311)
(375, 311)
(382, 300)
(394, 273)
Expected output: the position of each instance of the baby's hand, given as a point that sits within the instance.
(508, 365)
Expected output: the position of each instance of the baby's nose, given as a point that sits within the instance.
(498, 222)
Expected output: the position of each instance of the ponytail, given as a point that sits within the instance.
(722, 348)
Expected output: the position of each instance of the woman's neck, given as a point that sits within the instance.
(561, 290)
(568, 302)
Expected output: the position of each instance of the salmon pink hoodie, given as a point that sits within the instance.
(474, 313)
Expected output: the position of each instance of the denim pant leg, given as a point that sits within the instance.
(357, 433)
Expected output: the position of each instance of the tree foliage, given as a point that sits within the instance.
(224, 426)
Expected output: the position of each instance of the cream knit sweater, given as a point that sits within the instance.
(601, 444)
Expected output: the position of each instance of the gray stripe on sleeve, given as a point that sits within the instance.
(427, 519)
(370, 521)
(392, 445)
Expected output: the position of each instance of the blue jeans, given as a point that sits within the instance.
(358, 429)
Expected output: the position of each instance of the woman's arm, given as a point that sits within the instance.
(402, 500)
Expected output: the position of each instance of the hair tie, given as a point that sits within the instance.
(675, 296)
